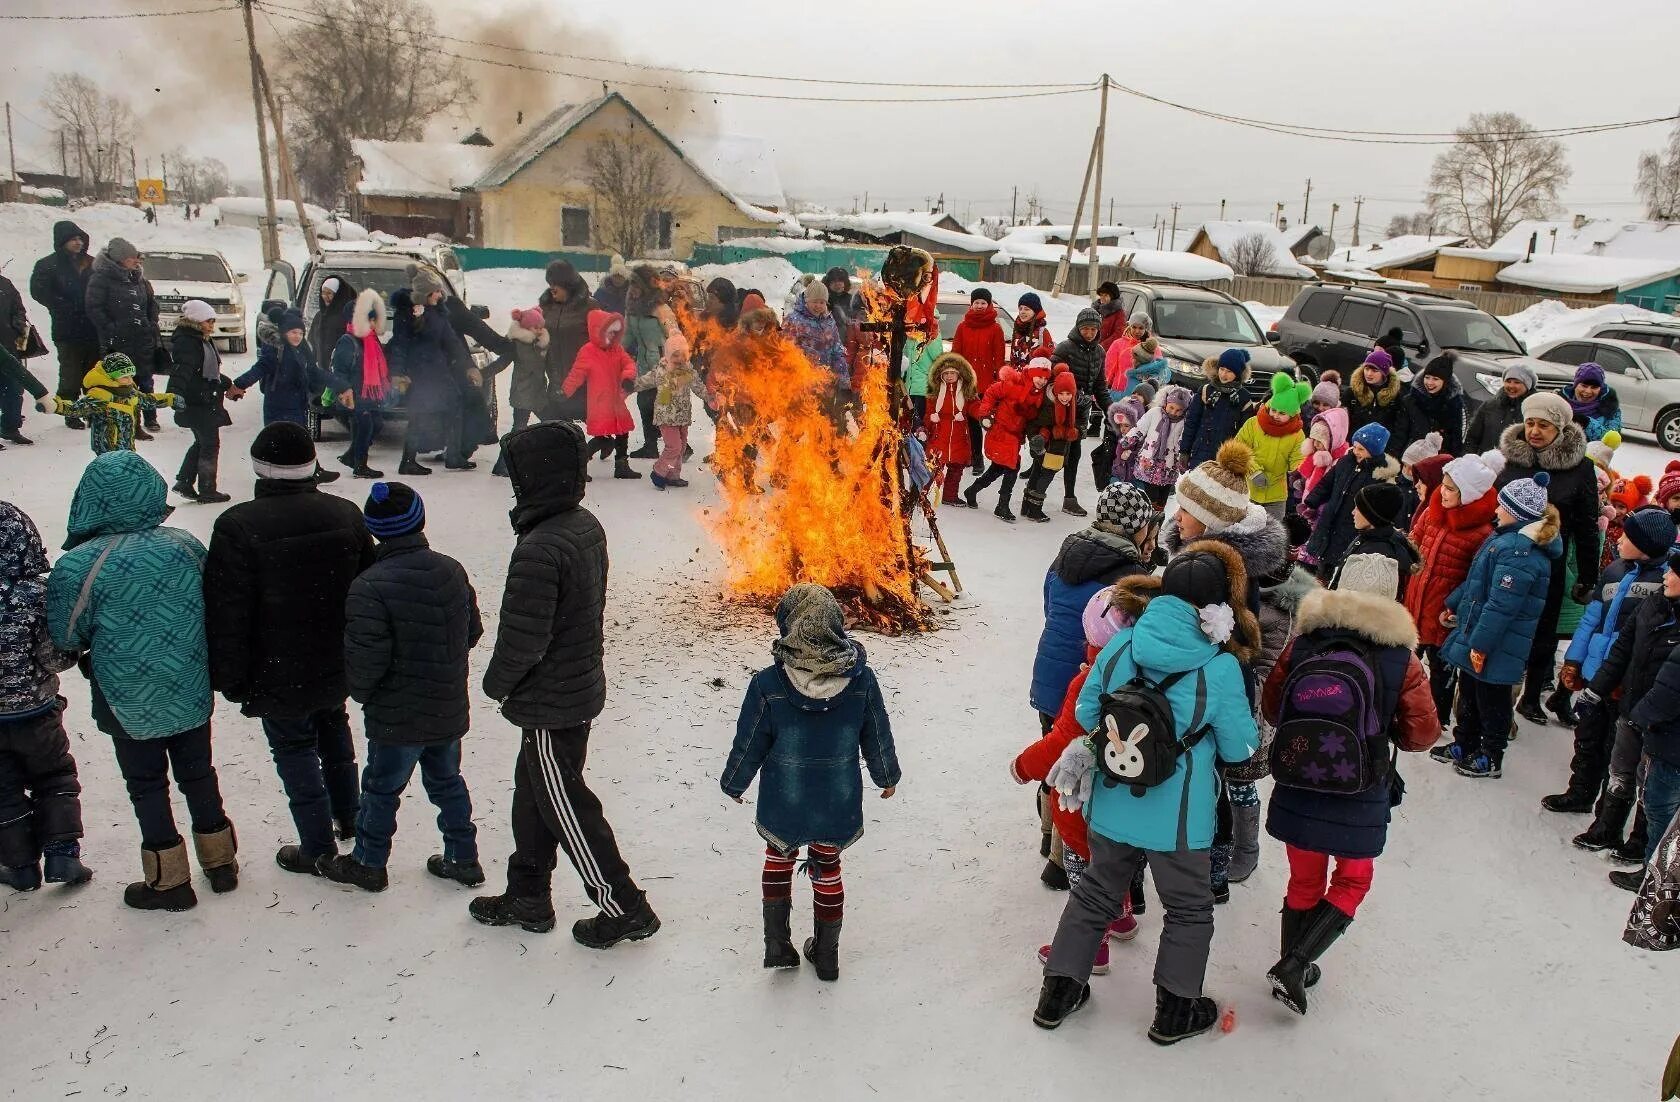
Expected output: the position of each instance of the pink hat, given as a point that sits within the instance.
(531, 318)
(1103, 623)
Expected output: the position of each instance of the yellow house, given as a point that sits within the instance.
(537, 194)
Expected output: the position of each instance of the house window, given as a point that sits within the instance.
(656, 228)
(574, 227)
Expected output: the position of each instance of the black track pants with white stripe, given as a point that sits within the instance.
(554, 808)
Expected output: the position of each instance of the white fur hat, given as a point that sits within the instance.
(1474, 475)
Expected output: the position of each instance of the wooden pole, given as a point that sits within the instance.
(11, 150)
(134, 170)
(271, 229)
(1078, 216)
(309, 238)
(1096, 191)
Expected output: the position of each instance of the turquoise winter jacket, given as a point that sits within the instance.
(1179, 813)
(142, 617)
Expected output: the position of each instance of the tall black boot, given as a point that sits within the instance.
(1292, 922)
(823, 949)
(1588, 765)
(778, 936)
(1319, 929)
(1607, 825)
(207, 492)
(1632, 851)
(1179, 1017)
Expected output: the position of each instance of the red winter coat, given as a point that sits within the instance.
(604, 367)
(1011, 403)
(1033, 763)
(979, 340)
(1113, 327)
(949, 407)
(1031, 341)
(1447, 540)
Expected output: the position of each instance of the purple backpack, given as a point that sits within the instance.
(1331, 737)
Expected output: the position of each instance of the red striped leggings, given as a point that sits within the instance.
(822, 865)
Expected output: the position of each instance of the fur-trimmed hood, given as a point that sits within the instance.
(1287, 595)
(538, 337)
(1388, 470)
(759, 316)
(1091, 554)
(1365, 396)
(965, 373)
(369, 302)
(1565, 453)
(1383, 621)
(1245, 640)
(1544, 532)
(1259, 539)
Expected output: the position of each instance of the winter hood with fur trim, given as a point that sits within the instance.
(1379, 619)
(1565, 452)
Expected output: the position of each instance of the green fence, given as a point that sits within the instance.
(816, 261)
(473, 259)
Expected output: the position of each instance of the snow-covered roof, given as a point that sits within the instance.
(427, 170)
(884, 223)
(741, 163)
(1225, 235)
(1588, 274)
(1027, 244)
(1294, 235)
(1396, 252)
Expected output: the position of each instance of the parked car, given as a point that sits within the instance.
(953, 305)
(1663, 334)
(439, 254)
(1335, 326)
(1646, 380)
(1194, 323)
(181, 274)
(383, 269)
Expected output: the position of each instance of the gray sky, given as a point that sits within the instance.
(1422, 65)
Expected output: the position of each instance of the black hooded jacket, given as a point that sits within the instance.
(60, 281)
(124, 311)
(331, 322)
(547, 670)
(1085, 359)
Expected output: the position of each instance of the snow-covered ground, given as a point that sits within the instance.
(1487, 962)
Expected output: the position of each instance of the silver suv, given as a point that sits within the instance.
(1663, 334)
(1645, 377)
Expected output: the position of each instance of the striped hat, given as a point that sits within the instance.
(1216, 493)
(394, 509)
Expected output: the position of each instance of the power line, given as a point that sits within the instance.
(117, 15)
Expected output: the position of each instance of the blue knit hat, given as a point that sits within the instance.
(1234, 360)
(1032, 300)
(1374, 437)
(1525, 498)
(394, 509)
(1651, 530)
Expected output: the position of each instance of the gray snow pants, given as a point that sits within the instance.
(1181, 879)
(1629, 747)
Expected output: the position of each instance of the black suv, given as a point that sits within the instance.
(1334, 325)
(1195, 323)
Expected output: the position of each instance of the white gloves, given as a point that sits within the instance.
(1072, 776)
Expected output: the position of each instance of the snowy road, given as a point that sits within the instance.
(1486, 964)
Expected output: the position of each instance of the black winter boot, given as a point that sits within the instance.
(622, 469)
(216, 856)
(1632, 851)
(21, 878)
(64, 864)
(1058, 998)
(291, 859)
(1629, 880)
(1178, 1018)
(1053, 877)
(1319, 929)
(345, 869)
(1607, 825)
(1293, 920)
(822, 949)
(470, 873)
(604, 931)
(1004, 513)
(168, 881)
(1071, 506)
(778, 935)
(1032, 508)
(535, 914)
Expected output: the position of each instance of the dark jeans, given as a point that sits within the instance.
(364, 426)
(40, 797)
(75, 360)
(993, 473)
(1661, 799)
(1443, 679)
(645, 400)
(1484, 725)
(1070, 468)
(145, 764)
(199, 464)
(554, 809)
(389, 767)
(315, 756)
(11, 406)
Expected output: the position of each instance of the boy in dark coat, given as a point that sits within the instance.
(1082, 351)
(1315, 825)
(1219, 409)
(124, 313)
(409, 621)
(805, 723)
(547, 675)
(288, 373)
(1367, 462)
(1656, 715)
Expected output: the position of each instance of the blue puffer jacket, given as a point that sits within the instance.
(29, 662)
(142, 613)
(1624, 584)
(1177, 814)
(1499, 603)
(808, 748)
(1089, 560)
(1216, 413)
(289, 378)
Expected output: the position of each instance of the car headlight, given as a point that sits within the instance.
(1491, 384)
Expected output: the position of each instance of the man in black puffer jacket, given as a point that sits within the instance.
(124, 313)
(275, 582)
(59, 282)
(409, 622)
(547, 675)
(1083, 355)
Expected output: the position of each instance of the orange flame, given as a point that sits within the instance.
(803, 500)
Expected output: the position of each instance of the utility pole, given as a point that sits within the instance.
(1306, 202)
(134, 170)
(164, 164)
(63, 163)
(1014, 193)
(1277, 215)
(11, 150)
(304, 224)
(866, 202)
(1222, 210)
(1358, 205)
(1096, 194)
(1111, 210)
(1173, 247)
(1078, 216)
(1334, 207)
(271, 224)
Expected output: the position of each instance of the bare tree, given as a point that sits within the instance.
(197, 180)
(97, 128)
(636, 202)
(1418, 222)
(1251, 255)
(1498, 172)
(361, 69)
(1659, 180)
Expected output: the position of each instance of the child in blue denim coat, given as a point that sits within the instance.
(805, 723)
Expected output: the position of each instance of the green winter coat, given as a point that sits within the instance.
(644, 338)
(1275, 456)
(1570, 612)
(918, 363)
(131, 592)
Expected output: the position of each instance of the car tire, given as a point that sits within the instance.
(1668, 429)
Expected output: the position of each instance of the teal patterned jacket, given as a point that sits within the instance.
(131, 593)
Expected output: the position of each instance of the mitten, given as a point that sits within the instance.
(1072, 775)
(1036, 446)
(1260, 479)
(1581, 592)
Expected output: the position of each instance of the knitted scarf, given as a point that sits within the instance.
(1163, 435)
(1583, 409)
(1272, 428)
(376, 376)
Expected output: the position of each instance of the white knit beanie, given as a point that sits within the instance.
(1376, 574)
(1474, 475)
(1216, 492)
(1419, 450)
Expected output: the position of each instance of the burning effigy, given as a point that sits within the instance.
(812, 476)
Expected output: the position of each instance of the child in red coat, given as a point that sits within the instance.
(610, 374)
(979, 340)
(950, 398)
(1052, 431)
(1102, 623)
(1031, 338)
(1005, 411)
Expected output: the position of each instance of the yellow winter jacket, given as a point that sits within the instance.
(112, 409)
(1275, 456)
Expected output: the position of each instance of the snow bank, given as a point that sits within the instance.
(773, 276)
(1550, 320)
(1266, 316)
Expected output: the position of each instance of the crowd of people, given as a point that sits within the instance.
(1346, 571)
